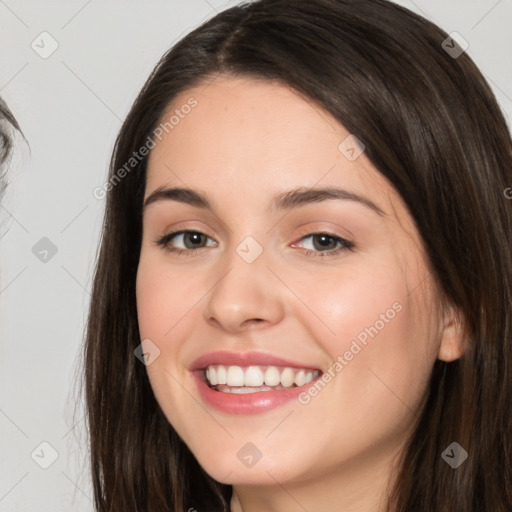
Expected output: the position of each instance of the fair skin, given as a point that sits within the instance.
(245, 142)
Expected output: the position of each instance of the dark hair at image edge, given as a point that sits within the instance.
(432, 127)
(8, 125)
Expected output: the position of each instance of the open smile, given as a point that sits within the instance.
(248, 383)
(254, 379)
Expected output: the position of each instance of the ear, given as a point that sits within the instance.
(452, 334)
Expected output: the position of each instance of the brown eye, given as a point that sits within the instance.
(193, 240)
(324, 241)
(325, 244)
(189, 241)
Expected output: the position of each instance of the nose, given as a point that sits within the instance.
(246, 296)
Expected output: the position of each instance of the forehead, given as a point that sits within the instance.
(248, 134)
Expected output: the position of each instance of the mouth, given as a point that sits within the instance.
(256, 379)
(249, 382)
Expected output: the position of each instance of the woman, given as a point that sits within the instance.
(303, 294)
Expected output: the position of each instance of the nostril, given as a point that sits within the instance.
(255, 320)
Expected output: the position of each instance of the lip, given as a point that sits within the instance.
(249, 403)
(243, 359)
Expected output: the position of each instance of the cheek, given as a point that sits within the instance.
(162, 305)
(350, 303)
(165, 301)
(164, 298)
(377, 335)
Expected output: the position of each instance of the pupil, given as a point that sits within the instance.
(195, 237)
(324, 241)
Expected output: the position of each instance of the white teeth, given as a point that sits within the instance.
(253, 376)
(244, 390)
(221, 375)
(235, 376)
(257, 378)
(287, 377)
(211, 375)
(300, 378)
(272, 376)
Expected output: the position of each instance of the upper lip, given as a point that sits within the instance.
(243, 359)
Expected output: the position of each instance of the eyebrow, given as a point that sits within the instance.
(285, 201)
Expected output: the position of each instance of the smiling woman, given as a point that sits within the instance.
(303, 295)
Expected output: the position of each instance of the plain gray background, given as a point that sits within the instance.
(70, 106)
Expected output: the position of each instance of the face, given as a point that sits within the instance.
(313, 314)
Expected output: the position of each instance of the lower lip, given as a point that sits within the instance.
(247, 403)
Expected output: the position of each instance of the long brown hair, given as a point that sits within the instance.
(431, 125)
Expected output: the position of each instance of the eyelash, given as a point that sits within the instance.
(345, 244)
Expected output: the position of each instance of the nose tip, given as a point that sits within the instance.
(244, 298)
(236, 322)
